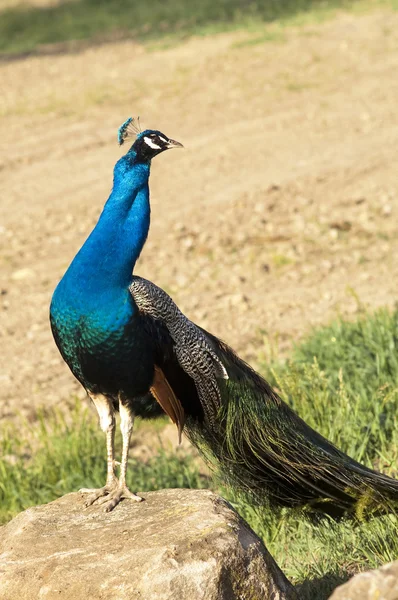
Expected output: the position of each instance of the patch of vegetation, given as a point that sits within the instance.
(281, 260)
(342, 380)
(267, 36)
(24, 28)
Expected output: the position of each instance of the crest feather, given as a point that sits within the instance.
(130, 128)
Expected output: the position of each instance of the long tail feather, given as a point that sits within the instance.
(265, 449)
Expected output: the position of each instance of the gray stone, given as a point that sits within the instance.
(380, 584)
(178, 544)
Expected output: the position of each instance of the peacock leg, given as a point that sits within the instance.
(107, 421)
(121, 491)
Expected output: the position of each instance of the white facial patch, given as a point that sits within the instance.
(151, 144)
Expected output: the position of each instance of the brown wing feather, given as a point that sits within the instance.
(164, 394)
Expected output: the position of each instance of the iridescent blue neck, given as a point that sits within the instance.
(106, 260)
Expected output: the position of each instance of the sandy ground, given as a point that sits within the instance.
(281, 209)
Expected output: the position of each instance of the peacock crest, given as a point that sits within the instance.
(130, 128)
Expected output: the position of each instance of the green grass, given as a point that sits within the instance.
(342, 379)
(25, 28)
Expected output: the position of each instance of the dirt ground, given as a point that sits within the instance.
(281, 209)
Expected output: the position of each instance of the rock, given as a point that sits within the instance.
(381, 584)
(178, 544)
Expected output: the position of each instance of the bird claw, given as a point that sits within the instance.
(111, 494)
(116, 495)
(96, 494)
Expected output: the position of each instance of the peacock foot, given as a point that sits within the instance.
(104, 492)
(116, 495)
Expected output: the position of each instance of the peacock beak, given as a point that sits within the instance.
(174, 144)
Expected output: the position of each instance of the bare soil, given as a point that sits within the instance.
(279, 214)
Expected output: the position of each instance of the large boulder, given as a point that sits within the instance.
(379, 584)
(178, 544)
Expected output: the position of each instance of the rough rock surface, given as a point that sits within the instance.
(178, 544)
(380, 584)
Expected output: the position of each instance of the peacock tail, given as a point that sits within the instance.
(260, 445)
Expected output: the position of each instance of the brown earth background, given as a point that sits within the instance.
(280, 214)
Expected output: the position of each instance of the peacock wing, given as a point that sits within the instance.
(193, 349)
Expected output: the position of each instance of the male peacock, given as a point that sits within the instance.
(129, 346)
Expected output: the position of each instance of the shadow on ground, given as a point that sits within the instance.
(322, 587)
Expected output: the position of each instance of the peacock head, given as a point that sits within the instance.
(148, 143)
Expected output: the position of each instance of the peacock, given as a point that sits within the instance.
(135, 352)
